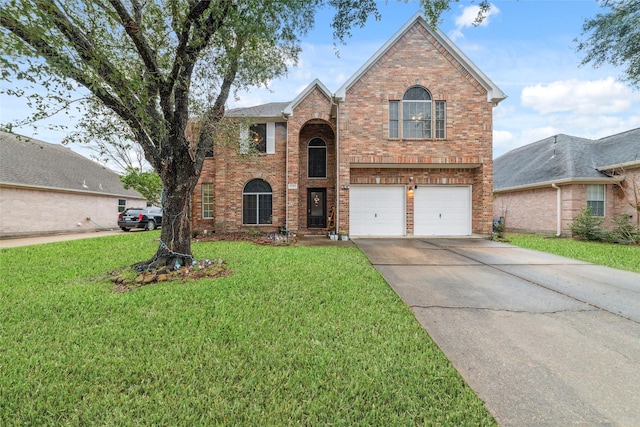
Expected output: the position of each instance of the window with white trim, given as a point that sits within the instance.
(422, 117)
(595, 199)
(257, 202)
(207, 201)
(260, 137)
(122, 205)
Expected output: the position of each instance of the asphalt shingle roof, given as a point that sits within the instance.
(272, 109)
(564, 157)
(31, 162)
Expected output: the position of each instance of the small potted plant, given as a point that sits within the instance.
(344, 236)
(333, 235)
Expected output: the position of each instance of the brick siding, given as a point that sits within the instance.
(463, 157)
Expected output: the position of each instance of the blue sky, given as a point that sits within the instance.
(526, 47)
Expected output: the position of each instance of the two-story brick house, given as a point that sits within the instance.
(403, 148)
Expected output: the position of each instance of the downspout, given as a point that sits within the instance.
(286, 177)
(559, 209)
(338, 188)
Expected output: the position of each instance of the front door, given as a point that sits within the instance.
(316, 208)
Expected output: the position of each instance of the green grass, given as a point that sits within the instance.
(296, 336)
(625, 257)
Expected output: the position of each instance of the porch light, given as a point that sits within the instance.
(411, 185)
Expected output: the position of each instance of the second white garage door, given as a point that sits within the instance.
(442, 211)
(376, 210)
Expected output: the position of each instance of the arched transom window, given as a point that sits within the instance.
(416, 113)
(257, 203)
(420, 115)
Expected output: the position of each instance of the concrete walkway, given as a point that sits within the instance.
(543, 340)
(38, 240)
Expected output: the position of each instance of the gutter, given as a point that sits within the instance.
(66, 190)
(565, 181)
(558, 209)
(631, 164)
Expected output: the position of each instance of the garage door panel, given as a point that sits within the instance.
(442, 211)
(376, 211)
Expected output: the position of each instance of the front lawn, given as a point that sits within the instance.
(625, 257)
(295, 336)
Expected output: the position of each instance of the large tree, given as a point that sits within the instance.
(147, 66)
(613, 37)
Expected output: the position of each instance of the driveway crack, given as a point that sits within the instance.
(504, 310)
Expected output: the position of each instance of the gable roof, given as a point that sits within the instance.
(302, 95)
(564, 158)
(494, 94)
(28, 162)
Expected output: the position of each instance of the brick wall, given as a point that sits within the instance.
(629, 196)
(26, 212)
(535, 210)
(230, 171)
(418, 59)
(529, 211)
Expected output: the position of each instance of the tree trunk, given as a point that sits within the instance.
(179, 176)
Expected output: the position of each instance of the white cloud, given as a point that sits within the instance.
(468, 18)
(503, 141)
(591, 97)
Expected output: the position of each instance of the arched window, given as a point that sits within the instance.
(317, 158)
(256, 203)
(416, 113)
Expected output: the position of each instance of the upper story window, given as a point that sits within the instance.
(420, 115)
(416, 113)
(317, 158)
(260, 137)
(595, 199)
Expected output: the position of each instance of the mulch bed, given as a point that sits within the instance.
(269, 239)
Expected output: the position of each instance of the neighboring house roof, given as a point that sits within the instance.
(28, 162)
(564, 158)
(494, 94)
(272, 109)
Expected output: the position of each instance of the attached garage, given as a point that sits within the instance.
(443, 210)
(377, 210)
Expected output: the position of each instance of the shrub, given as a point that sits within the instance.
(624, 231)
(585, 226)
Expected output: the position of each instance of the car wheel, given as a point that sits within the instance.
(150, 226)
(124, 229)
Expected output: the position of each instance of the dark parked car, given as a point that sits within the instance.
(146, 218)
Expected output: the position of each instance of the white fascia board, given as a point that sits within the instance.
(66, 190)
(494, 94)
(625, 165)
(565, 181)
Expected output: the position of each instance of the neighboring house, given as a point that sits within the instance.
(47, 188)
(404, 147)
(541, 187)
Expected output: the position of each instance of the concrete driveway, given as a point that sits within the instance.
(542, 339)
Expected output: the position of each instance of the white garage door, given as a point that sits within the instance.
(376, 210)
(442, 211)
